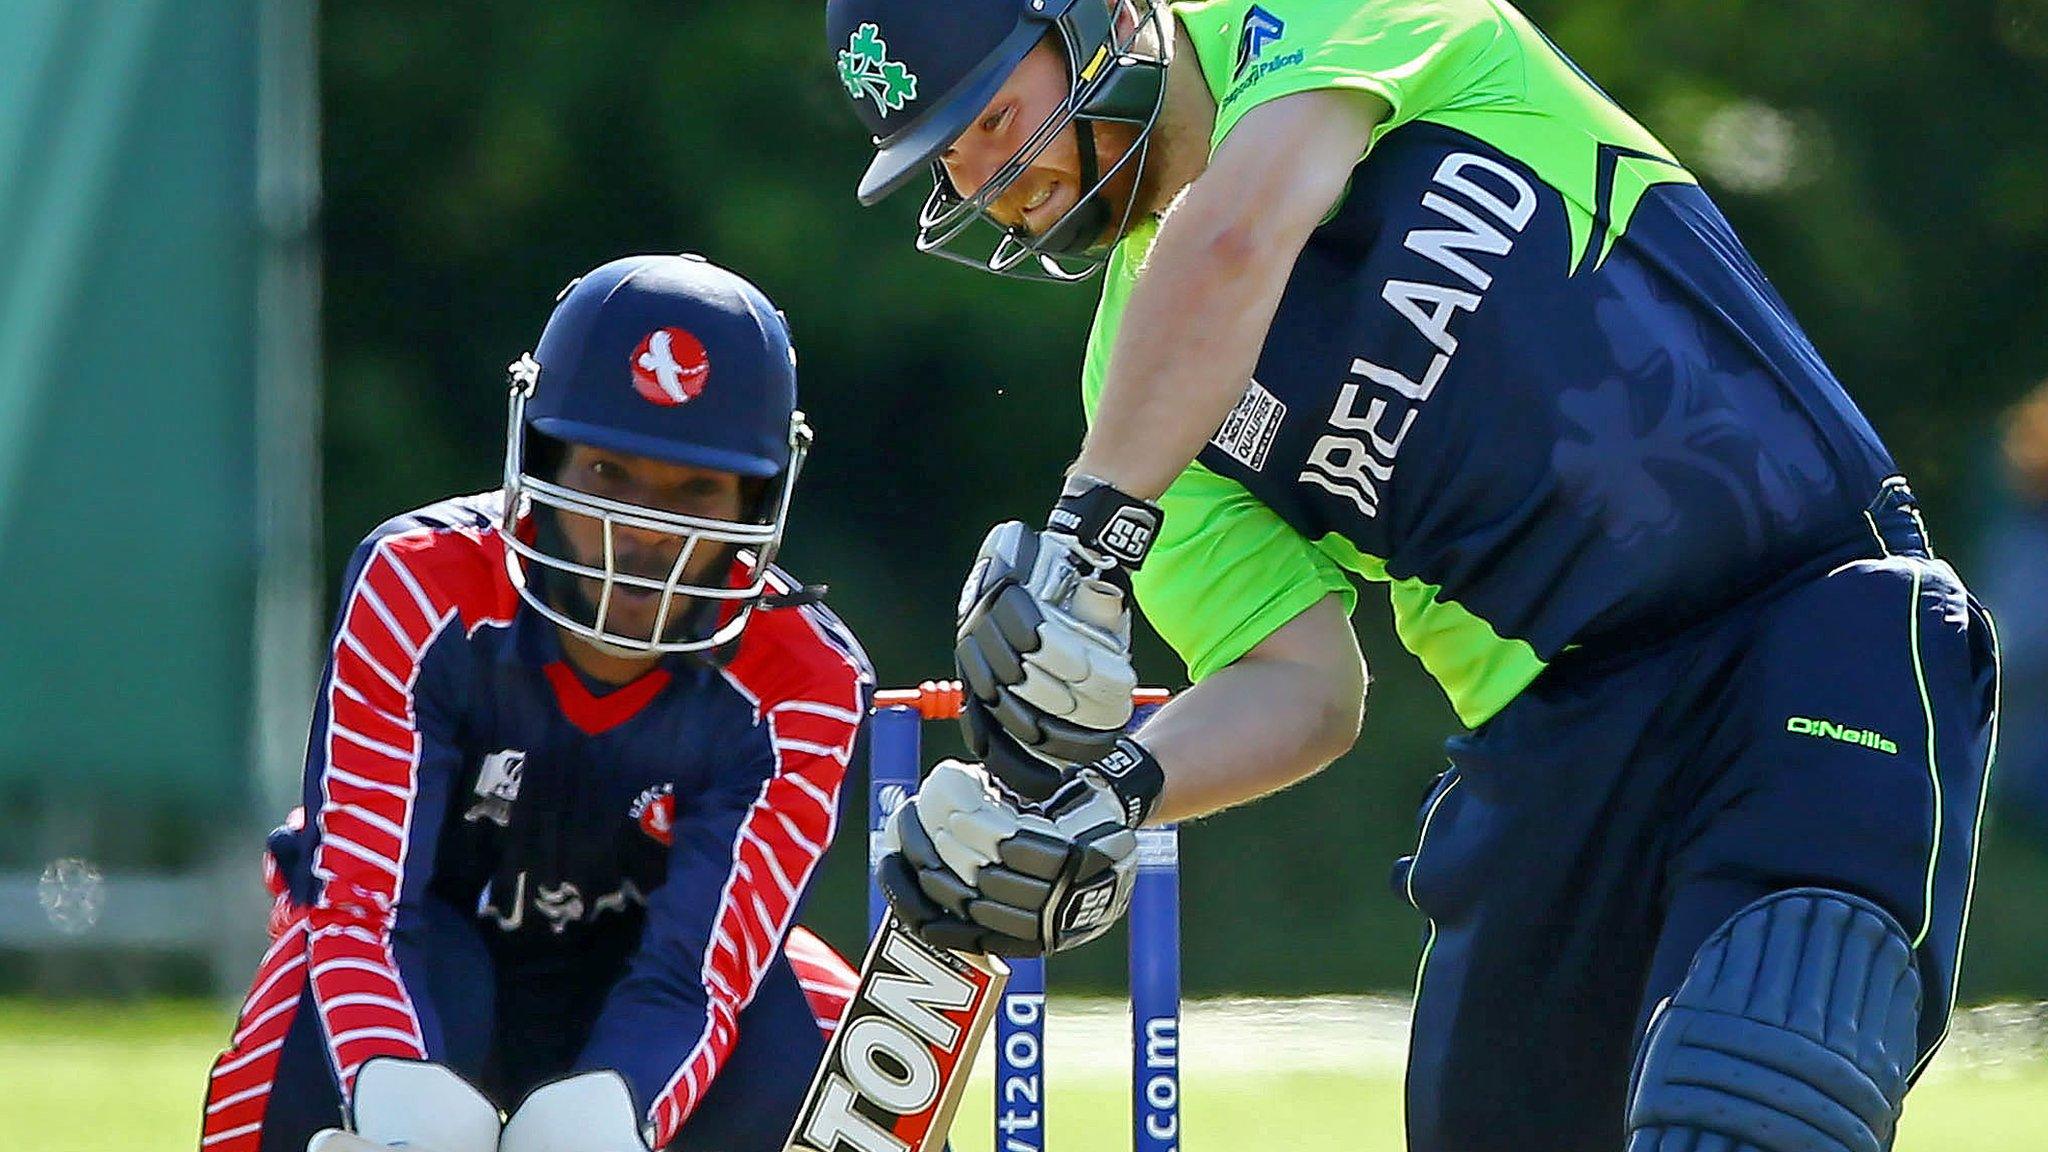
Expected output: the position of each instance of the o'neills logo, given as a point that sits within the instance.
(1829, 730)
(897, 1067)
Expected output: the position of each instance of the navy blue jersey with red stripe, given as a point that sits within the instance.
(660, 835)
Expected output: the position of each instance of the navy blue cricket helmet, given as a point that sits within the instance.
(920, 73)
(675, 359)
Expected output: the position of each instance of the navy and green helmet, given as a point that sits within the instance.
(919, 73)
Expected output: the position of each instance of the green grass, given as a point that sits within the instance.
(89, 1078)
(104, 1076)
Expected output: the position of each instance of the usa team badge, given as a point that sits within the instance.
(670, 367)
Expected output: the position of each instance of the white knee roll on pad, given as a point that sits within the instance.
(592, 1112)
(424, 1106)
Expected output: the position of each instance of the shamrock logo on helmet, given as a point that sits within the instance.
(866, 70)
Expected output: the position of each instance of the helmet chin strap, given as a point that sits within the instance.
(1082, 226)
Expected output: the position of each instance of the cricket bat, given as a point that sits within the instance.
(895, 1071)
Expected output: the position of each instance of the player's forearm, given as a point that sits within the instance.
(1197, 318)
(1189, 341)
(1263, 723)
(649, 1030)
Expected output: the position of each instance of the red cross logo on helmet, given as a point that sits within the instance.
(670, 367)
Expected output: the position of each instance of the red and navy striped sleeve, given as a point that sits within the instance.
(741, 862)
(380, 765)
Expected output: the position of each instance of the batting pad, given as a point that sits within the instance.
(1793, 1032)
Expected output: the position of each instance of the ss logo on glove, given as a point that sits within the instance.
(1044, 639)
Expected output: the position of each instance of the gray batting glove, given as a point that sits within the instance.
(1044, 639)
(966, 868)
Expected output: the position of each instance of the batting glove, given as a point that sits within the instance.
(966, 868)
(1044, 639)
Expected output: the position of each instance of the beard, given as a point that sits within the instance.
(576, 596)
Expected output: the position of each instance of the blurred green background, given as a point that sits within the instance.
(1887, 164)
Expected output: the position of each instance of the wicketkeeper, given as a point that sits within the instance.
(576, 755)
(1392, 290)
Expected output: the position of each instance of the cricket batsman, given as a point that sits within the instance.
(576, 754)
(1392, 290)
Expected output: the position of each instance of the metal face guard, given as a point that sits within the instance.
(691, 617)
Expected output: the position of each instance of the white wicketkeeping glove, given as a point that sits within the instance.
(414, 1105)
(591, 1112)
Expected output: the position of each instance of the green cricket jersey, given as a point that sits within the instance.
(1524, 373)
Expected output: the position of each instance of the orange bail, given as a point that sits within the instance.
(940, 699)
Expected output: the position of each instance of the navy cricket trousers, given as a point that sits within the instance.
(1587, 840)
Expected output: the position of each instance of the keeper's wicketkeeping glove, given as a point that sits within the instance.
(1044, 640)
(412, 1104)
(588, 1112)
